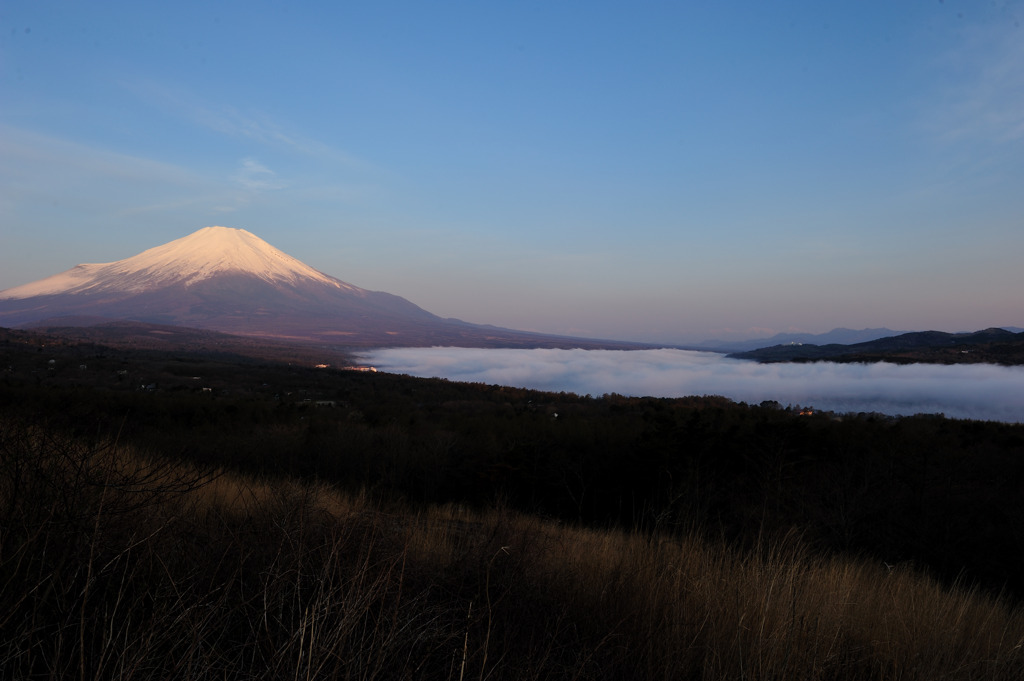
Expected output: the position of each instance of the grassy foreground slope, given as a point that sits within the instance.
(191, 515)
(119, 565)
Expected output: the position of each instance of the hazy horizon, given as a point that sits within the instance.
(664, 174)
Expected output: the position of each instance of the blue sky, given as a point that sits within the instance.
(664, 172)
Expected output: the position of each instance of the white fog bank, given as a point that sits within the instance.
(975, 391)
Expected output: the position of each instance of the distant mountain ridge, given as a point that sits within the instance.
(993, 345)
(229, 280)
(838, 335)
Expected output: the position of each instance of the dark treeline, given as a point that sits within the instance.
(943, 495)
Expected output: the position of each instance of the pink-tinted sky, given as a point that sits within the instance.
(664, 172)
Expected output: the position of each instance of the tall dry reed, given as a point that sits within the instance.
(116, 566)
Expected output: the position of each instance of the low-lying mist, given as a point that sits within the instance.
(974, 391)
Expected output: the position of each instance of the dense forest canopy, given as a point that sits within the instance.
(940, 492)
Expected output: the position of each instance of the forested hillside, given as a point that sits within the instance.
(943, 493)
(988, 346)
(923, 497)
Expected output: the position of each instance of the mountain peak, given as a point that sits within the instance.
(230, 280)
(214, 250)
(204, 253)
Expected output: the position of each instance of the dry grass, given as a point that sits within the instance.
(113, 566)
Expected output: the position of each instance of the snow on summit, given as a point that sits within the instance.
(212, 250)
(198, 256)
(231, 281)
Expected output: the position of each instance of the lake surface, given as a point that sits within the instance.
(975, 391)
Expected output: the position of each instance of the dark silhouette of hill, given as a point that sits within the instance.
(991, 346)
(842, 336)
(942, 494)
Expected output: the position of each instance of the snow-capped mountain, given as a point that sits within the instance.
(230, 280)
(207, 253)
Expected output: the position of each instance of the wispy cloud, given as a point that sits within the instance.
(962, 391)
(24, 150)
(44, 174)
(233, 122)
(984, 95)
(37, 170)
(253, 176)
